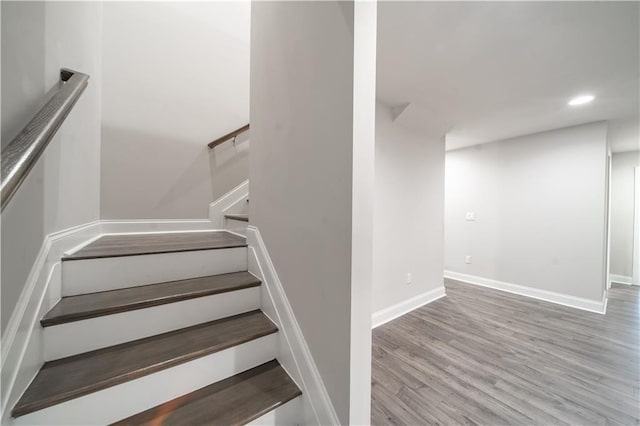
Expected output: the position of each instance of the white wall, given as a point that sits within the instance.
(408, 214)
(176, 76)
(539, 202)
(624, 134)
(312, 118)
(622, 207)
(63, 189)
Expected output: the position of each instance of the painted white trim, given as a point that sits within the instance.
(621, 279)
(22, 354)
(599, 307)
(131, 397)
(385, 315)
(293, 352)
(635, 252)
(231, 202)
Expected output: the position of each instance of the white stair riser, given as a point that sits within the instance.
(129, 398)
(237, 226)
(63, 340)
(286, 415)
(110, 273)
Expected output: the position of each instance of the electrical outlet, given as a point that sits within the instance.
(467, 259)
(470, 216)
(409, 279)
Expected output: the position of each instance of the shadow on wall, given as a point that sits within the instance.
(154, 176)
(229, 164)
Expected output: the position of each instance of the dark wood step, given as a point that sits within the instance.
(233, 401)
(75, 308)
(138, 244)
(68, 378)
(240, 217)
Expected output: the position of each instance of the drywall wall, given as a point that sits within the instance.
(63, 189)
(408, 214)
(622, 208)
(365, 18)
(539, 204)
(176, 76)
(624, 134)
(311, 174)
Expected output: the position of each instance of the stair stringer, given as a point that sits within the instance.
(292, 351)
(22, 343)
(234, 201)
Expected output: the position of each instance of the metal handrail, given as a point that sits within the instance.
(228, 136)
(22, 153)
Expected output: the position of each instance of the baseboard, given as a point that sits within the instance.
(621, 279)
(22, 353)
(233, 201)
(294, 354)
(599, 307)
(392, 312)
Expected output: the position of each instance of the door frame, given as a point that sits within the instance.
(636, 228)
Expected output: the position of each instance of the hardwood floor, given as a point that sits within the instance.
(91, 305)
(482, 356)
(251, 393)
(78, 375)
(149, 243)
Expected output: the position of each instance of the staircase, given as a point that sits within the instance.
(159, 328)
(237, 223)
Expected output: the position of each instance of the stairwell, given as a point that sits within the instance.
(160, 328)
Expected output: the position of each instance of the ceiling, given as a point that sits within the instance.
(477, 72)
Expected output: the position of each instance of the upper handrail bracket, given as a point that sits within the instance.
(231, 135)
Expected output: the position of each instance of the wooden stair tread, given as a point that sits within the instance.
(233, 401)
(240, 217)
(68, 378)
(138, 244)
(75, 308)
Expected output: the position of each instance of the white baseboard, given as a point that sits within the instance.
(596, 306)
(621, 279)
(385, 315)
(233, 201)
(22, 352)
(293, 352)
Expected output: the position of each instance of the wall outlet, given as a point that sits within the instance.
(409, 279)
(470, 216)
(467, 259)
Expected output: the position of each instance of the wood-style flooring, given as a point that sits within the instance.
(91, 305)
(69, 378)
(486, 357)
(149, 243)
(233, 401)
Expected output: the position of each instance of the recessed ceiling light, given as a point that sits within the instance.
(581, 100)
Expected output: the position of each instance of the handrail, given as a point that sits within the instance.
(228, 136)
(22, 153)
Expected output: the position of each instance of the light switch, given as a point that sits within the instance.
(471, 216)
